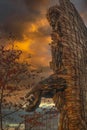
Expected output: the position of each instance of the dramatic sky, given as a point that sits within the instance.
(25, 23)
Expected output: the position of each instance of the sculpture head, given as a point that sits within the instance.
(46, 88)
(33, 99)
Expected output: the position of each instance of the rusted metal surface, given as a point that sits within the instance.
(69, 51)
(69, 64)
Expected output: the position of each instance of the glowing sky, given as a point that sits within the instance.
(24, 21)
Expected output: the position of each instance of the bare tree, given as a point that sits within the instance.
(14, 76)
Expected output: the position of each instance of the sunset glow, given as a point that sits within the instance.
(24, 45)
(36, 43)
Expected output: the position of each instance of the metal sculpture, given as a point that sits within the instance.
(69, 64)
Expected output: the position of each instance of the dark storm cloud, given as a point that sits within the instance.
(36, 4)
(81, 6)
(15, 14)
(13, 30)
(35, 8)
(12, 17)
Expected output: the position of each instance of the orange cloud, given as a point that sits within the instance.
(24, 45)
(36, 41)
(29, 28)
